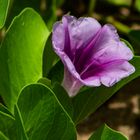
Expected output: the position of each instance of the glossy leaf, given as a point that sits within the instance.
(56, 73)
(7, 126)
(46, 8)
(87, 101)
(5, 109)
(4, 4)
(134, 36)
(21, 134)
(16, 6)
(11, 128)
(49, 57)
(106, 133)
(63, 98)
(21, 55)
(43, 115)
(61, 95)
(45, 81)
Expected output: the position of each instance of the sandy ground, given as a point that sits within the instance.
(121, 112)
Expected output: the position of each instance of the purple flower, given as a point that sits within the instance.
(92, 55)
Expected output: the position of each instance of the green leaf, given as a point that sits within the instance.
(21, 55)
(3, 137)
(61, 95)
(21, 134)
(16, 6)
(46, 8)
(63, 98)
(43, 115)
(87, 101)
(134, 36)
(49, 57)
(7, 126)
(56, 73)
(45, 81)
(5, 109)
(106, 133)
(4, 4)
(11, 128)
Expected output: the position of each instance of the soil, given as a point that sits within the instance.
(121, 112)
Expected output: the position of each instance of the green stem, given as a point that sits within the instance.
(91, 7)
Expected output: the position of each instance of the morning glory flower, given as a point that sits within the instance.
(92, 54)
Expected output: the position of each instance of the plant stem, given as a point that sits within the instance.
(91, 7)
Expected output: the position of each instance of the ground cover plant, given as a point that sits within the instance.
(56, 72)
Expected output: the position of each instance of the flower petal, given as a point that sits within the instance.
(115, 73)
(72, 34)
(80, 35)
(106, 46)
(92, 55)
(58, 37)
(71, 84)
(93, 81)
(109, 73)
(110, 47)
